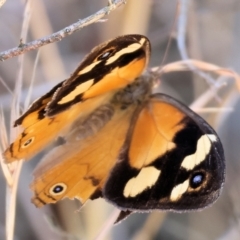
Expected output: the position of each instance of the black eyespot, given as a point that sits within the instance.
(28, 142)
(105, 55)
(58, 189)
(197, 179)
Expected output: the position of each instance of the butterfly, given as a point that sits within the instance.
(139, 151)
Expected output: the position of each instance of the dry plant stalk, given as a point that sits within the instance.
(189, 64)
(12, 171)
(58, 36)
(2, 2)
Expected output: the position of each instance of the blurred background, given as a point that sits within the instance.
(212, 35)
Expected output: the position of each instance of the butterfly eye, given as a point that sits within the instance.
(58, 189)
(197, 179)
(105, 55)
(28, 142)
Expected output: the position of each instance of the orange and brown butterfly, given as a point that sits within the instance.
(138, 150)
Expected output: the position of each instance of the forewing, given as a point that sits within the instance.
(40, 130)
(109, 67)
(30, 122)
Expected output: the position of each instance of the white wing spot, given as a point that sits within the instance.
(203, 148)
(78, 90)
(212, 137)
(89, 68)
(179, 190)
(146, 178)
(142, 41)
(131, 48)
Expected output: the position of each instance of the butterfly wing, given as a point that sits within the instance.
(172, 160)
(36, 111)
(108, 68)
(39, 130)
(79, 167)
(31, 122)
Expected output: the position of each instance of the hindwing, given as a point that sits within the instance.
(171, 160)
(79, 167)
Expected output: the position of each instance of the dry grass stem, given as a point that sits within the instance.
(207, 95)
(2, 2)
(184, 6)
(203, 66)
(212, 110)
(11, 202)
(151, 226)
(108, 225)
(4, 143)
(30, 89)
(6, 86)
(15, 168)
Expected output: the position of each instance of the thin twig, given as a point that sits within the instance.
(203, 66)
(181, 40)
(169, 42)
(30, 89)
(208, 95)
(2, 2)
(213, 109)
(4, 143)
(15, 108)
(6, 86)
(151, 226)
(11, 194)
(58, 36)
(15, 168)
(108, 225)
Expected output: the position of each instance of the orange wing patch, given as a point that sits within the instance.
(155, 128)
(39, 133)
(86, 163)
(118, 78)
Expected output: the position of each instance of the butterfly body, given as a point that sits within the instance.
(138, 150)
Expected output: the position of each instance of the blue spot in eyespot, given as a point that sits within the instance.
(106, 55)
(196, 180)
(58, 189)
